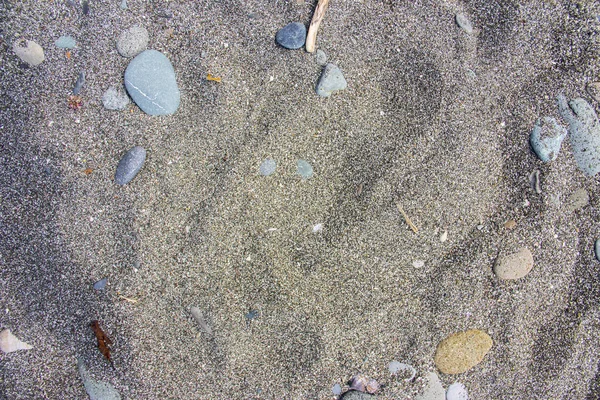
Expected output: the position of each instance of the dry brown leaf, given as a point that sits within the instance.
(103, 341)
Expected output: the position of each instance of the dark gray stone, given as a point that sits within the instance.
(130, 165)
(150, 81)
(79, 83)
(292, 36)
(331, 80)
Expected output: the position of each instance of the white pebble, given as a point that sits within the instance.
(317, 228)
(457, 391)
(418, 263)
(336, 389)
(444, 236)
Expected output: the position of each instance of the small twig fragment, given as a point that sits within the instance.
(408, 221)
(128, 299)
(217, 79)
(311, 37)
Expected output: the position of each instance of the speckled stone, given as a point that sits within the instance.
(577, 200)
(65, 42)
(29, 52)
(129, 166)
(546, 138)
(462, 351)
(292, 36)
(356, 395)
(132, 41)
(514, 266)
(331, 81)
(115, 99)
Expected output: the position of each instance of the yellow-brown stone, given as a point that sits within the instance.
(462, 351)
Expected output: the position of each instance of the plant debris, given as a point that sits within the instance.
(75, 102)
(88, 171)
(209, 77)
(408, 221)
(103, 341)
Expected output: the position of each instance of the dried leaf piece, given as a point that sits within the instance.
(75, 102)
(88, 171)
(103, 341)
(10, 343)
(209, 77)
(68, 54)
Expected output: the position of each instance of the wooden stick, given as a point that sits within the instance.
(408, 221)
(311, 37)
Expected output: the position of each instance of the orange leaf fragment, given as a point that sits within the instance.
(103, 340)
(68, 54)
(88, 171)
(209, 77)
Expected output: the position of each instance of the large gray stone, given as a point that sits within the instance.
(150, 81)
(292, 36)
(331, 80)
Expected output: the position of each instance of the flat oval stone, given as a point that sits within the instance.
(514, 266)
(331, 80)
(65, 42)
(304, 169)
(463, 22)
(292, 36)
(115, 99)
(150, 81)
(29, 52)
(132, 41)
(597, 249)
(129, 166)
(462, 351)
(267, 167)
(546, 138)
(457, 391)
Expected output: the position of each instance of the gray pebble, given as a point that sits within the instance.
(584, 129)
(65, 42)
(336, 389)
(463, 22)
(79, 83)
(433, 389)
(199, 318)
(267, 167)
(515, 265)
(304, 169)
(129, 166)
(331, 80)
(546, 138)
(101, 284)
(29, 51)
(577, 200)
(123, 4)
(132, 41)
(292, 36)
(114, 99)
(150, 81)
(321, 58)
(597, 249)
(96, 390)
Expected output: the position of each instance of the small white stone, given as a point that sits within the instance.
(29, 51)
(395, 367)
(10, 343)
(444, 236)
(418, 263)
(457, 391)
(317, 228)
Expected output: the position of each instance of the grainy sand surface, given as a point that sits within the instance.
(433, 117)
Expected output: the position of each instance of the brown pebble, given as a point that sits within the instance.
(514, 266)
(510, 224)
(462, 351)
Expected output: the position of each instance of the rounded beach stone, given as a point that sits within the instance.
(321, 58)
(457, 391)
(546, 138)
(115, 99)
(577, 200)
(304, 169)
(463, 22)
(132, 41)
(65, 42)
(150, 81)
(292, 36)
(267, 167)
(129, 166)
(29, 51)
(462, 351)
(514, 266)
(331, 80)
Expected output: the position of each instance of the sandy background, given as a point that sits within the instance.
(432, 117)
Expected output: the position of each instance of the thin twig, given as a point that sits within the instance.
(408, 221)
(311, 37)
(128, 299)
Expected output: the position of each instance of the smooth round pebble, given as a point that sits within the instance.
(304, 169)
(292, 36)
(597, 249)
(336, 389)
(433, 389)
(29, 51)
(462, 351)
(267, 167)
(132, 41)
(457, 391)
(321, 58)
(331, 81)
(129, 166)
(515, 265)
(115, 99)
(463, 22)
(65, 42)
(150, 81)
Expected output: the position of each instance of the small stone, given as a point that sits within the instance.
(150, 81)
(433, 390)
(10, 343)
(292, 36)
(336, 389)
(514, 266)
(462, 351)
(317, 228)
(579, 199)
(408, 372)
(101, 284)
(331, 80)
(510, 224)
(130, 165)
(115, 99)
(546, 138)
(65, 42)
(597, 249)
(123, 4)
(321, 58)
(200, 320)
(79, 83)
(593, 89)
(418, 264)
(304, 169)
(584, 129)
(444, 236)
(133, 41)
(252, 314)
(29, 51)
(535, 182)
(463, 22)
(356, 395)
(457, 391)
(96, 390)
(267, 167)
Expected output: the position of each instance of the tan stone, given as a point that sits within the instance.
(29, 51)
(462, 351)
(514, 266)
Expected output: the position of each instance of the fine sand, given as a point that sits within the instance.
(433, 118)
